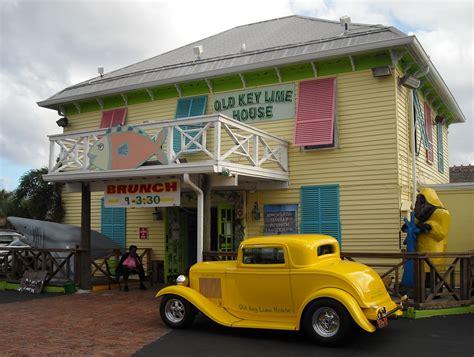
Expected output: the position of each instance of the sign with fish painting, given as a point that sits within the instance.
(142, 194)
(126, 147)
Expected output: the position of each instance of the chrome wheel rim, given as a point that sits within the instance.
(326, 322)
(175, 311)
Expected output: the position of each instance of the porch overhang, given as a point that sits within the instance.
(216, 145)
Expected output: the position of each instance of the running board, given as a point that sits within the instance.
(265, 325)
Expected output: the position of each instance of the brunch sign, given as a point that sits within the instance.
(267, 103)
(142, 194)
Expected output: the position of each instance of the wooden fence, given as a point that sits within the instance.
(58, 263)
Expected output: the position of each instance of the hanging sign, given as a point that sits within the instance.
(143, 232)
(142, 194)
(266, 103)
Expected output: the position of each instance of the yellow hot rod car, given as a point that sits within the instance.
(285, 282)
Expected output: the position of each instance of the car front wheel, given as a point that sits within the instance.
(177, 312)
(326, 321)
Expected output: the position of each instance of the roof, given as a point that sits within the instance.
(301, 240)
(461, 173)
(254, 46)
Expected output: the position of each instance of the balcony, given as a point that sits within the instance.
(210, 144)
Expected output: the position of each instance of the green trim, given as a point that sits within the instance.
(338, 65)
(69, 288)
(372, 60)
(113, 102)
(262, 77)
(166, 92)
(296, 72)
(411, 313)
(227, 83)
(138, 97)
(194, 88)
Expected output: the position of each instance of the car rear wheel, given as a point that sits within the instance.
(177, 312)
(326, 321)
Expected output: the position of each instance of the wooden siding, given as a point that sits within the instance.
(364, 165)
(426, 173)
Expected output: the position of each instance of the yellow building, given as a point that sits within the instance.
(288, 125)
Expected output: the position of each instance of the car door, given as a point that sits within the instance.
(259, 285)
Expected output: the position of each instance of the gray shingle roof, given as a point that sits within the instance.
(269, 43)
(279, 40)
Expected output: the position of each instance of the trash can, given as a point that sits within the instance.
(158, 271)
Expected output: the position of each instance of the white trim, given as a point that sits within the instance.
(242, 78)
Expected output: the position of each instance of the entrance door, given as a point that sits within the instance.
(176, 243)
(225, 229)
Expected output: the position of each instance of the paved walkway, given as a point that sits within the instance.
(109, 323)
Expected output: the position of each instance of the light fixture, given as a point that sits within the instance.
(381, 71)
(440, 120)
(410, 81)
(255, 212)
(62, 122)
(157, 216)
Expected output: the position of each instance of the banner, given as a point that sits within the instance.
(142, 194)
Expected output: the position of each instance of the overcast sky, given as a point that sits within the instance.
(46, 46)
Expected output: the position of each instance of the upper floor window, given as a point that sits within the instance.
(263, 255)
(115, 117)
(315, 125)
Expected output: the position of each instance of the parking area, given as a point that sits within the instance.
(108, 323)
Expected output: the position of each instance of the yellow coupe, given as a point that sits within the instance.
(291, 282)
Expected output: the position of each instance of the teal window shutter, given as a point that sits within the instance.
(113, 223)
(439, 134)
(420, 121)
(188, 107)
(320, 210)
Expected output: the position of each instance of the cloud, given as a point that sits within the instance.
(48, 45)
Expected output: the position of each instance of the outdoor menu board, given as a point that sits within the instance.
(280, 219)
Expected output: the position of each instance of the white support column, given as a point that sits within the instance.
(200, 215)
(217, 140)
(52, 154)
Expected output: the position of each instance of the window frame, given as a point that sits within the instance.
(264, 265)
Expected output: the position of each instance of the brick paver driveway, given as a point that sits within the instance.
(109, 323)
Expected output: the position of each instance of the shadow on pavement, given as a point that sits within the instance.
(446, 335)
(12, 296)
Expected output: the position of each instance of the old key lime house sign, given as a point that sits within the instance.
(265, 103)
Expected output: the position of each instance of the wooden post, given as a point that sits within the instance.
(85, 247)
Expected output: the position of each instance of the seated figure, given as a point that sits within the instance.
(130, 263)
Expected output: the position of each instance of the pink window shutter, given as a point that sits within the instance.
(315, 113)
(429, 133)
(119, 117)
(112, 118)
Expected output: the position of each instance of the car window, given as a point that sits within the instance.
(263, 255)
(325, 249)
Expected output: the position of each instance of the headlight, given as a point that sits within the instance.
(182, 280)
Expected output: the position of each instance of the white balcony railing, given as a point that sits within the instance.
(214, 141)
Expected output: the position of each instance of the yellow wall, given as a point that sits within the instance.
(426, 173)
(460, 204)
(371, 164)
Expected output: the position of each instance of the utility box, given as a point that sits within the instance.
(158, 271)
